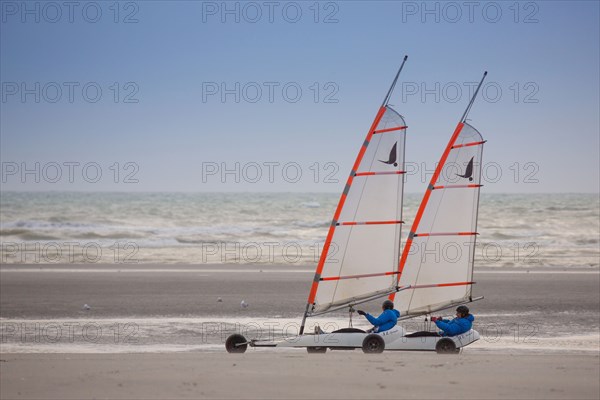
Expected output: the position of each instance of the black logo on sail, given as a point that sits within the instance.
(392, 157)
(469, 171)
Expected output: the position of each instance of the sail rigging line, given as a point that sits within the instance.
(332, 227)
(430, 189)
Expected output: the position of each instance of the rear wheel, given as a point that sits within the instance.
(236, 343)
(316, 350)
(373, 343)
(446, 346)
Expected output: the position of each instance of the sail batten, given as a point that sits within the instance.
(456, 186)
(333, 278)
(379, 173)
(390, 129)
(368, 223)
(457, 146)
(444, 234)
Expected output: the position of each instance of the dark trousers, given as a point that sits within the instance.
(422, 333)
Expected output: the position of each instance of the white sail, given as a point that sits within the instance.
(362, 248)
(437, 263)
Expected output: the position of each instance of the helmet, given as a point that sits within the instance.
(388, 305)
(464, 310)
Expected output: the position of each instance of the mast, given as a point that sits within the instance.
(354, 172)
(464, 117)
(389, 93)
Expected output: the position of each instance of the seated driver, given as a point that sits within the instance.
(461, 324)
(386, 321)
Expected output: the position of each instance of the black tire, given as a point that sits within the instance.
(446, 346)
(373, 343)
(233, 344)
(316, 350)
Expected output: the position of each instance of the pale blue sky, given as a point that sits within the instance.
(542, 132)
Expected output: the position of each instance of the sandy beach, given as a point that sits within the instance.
(295, 375)
(155, 331)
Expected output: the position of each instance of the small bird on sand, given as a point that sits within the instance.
(219, 300)
(86, 307)
(243, 304)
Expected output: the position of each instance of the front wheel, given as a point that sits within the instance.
(446, 346)
(316, 350)
(373, 343)
(236, 343)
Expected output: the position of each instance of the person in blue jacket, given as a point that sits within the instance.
(386, 321)
(461, 324)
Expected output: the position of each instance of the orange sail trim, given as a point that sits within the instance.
(423, 204)
(446, 234)
(380, 173)
(370, 222)
(327, 245)
(468, 144)
(397, 128)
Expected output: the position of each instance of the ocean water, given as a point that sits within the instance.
(516, 230)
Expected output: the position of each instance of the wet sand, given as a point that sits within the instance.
(59, 291)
